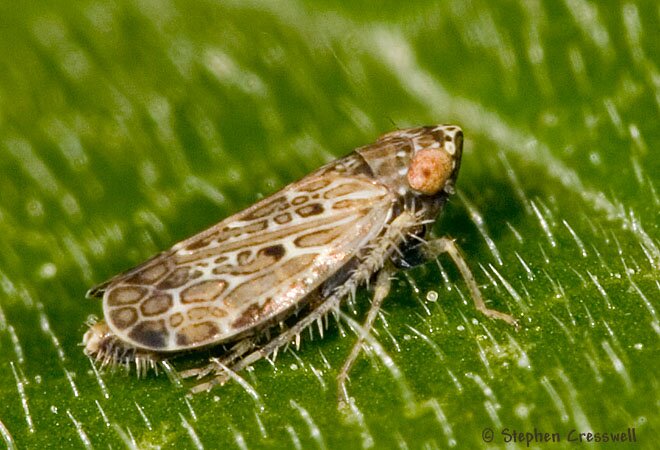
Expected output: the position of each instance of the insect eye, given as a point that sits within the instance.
(429, 171)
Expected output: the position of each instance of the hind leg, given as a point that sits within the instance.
(238, 350)
(251, 352)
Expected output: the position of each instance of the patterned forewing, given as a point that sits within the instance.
(250, 268)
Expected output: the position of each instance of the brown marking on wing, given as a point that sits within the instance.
(219, 236)
(198, 313)
(250, 290)
(155, 305)
(310, 210)
(283, 218)
(321, 237)
(353, 203)
(202, 240)
(249, 263)
(314, 184)
(344, 189)
(150, 333)
(204, 291)
(254, 314)
(123, 317)
(176, 319)
(218, 312)
(196, 333)
(206, 250)
(175, 279)
(299, 200)
(125, 295)
(232, 232)
(194, 257)
(150, 275)
(266, 209)
(243, 257)
(276, 251)
(294, 267)
(258, 286)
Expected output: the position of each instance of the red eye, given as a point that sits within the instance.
(429, 171)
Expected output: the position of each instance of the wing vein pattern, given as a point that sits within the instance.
(250, 268)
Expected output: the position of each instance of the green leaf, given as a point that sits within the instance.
(128, 126)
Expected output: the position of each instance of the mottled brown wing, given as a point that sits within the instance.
(249, 268)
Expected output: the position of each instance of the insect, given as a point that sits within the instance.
(253, 282)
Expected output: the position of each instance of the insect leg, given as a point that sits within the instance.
(287, 336)
(381, 290)
(438, 246)
(239, 349)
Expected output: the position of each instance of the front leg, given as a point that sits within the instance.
(381, 290)
(438, 246)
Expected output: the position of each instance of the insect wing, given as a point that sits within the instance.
(248, 269)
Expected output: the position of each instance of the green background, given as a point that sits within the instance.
(128, 126)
